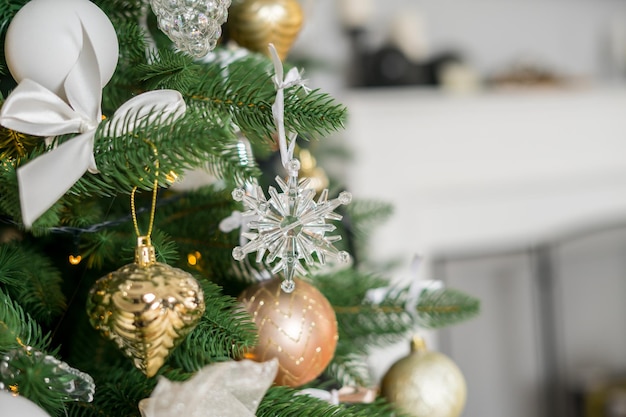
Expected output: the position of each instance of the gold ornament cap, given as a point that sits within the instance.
(145, 255)
(418, 344)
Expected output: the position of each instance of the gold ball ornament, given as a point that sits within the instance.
(254, 24)
(297, 328)
(146, 308)
(310, 169)
(425, 384)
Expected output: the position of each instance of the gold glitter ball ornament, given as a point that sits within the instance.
(298, 328)
(146, 308)
(425, 384)
(254, 24)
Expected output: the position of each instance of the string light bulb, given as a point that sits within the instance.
(75, 260)
(193, 258)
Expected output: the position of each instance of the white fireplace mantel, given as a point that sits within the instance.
(487, 169)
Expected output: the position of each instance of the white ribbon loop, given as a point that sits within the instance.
(158, 106)
(42, 183)
(286, 140)
(33, 109)
(83, 86)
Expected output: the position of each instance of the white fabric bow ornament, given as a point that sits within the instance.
(35, 110)
(224, 389)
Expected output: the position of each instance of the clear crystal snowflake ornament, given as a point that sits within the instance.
(290, 228)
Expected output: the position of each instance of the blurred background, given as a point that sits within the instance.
(497, 129)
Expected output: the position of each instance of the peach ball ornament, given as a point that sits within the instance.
(45, 38)
(298, 328)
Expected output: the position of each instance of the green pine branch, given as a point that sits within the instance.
(361, 321)
(349, 367)
(167, 69)
(166, 248)
(30, 370)
(380, 407)
(130, 161)
(118, 394)
(283, 402)
(347, 287)
(364, 216)
(99, 249)
(32, 281)
(444, 307)
(121, 10)
(225, 332)
(8, 9)
(286, 402)
(243, 88)
(18, 328)
(192, 221)
(377, 324)
(12, 265)
(313, 114)
(132, 53)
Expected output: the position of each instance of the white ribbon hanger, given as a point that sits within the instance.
(35, 110)
(286, 140)
(415, 289)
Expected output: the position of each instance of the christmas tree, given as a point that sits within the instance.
(106, 107)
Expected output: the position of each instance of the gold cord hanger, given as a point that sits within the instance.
(145, 254)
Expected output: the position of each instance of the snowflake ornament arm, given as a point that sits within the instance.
(290, 228)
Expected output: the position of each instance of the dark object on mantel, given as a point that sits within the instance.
(388, 66)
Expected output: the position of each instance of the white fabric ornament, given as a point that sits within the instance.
(225, 389)
(18, 406)
(45, 38)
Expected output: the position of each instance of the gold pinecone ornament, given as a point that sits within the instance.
(254, 24)
(146, 308)
(425, 384)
